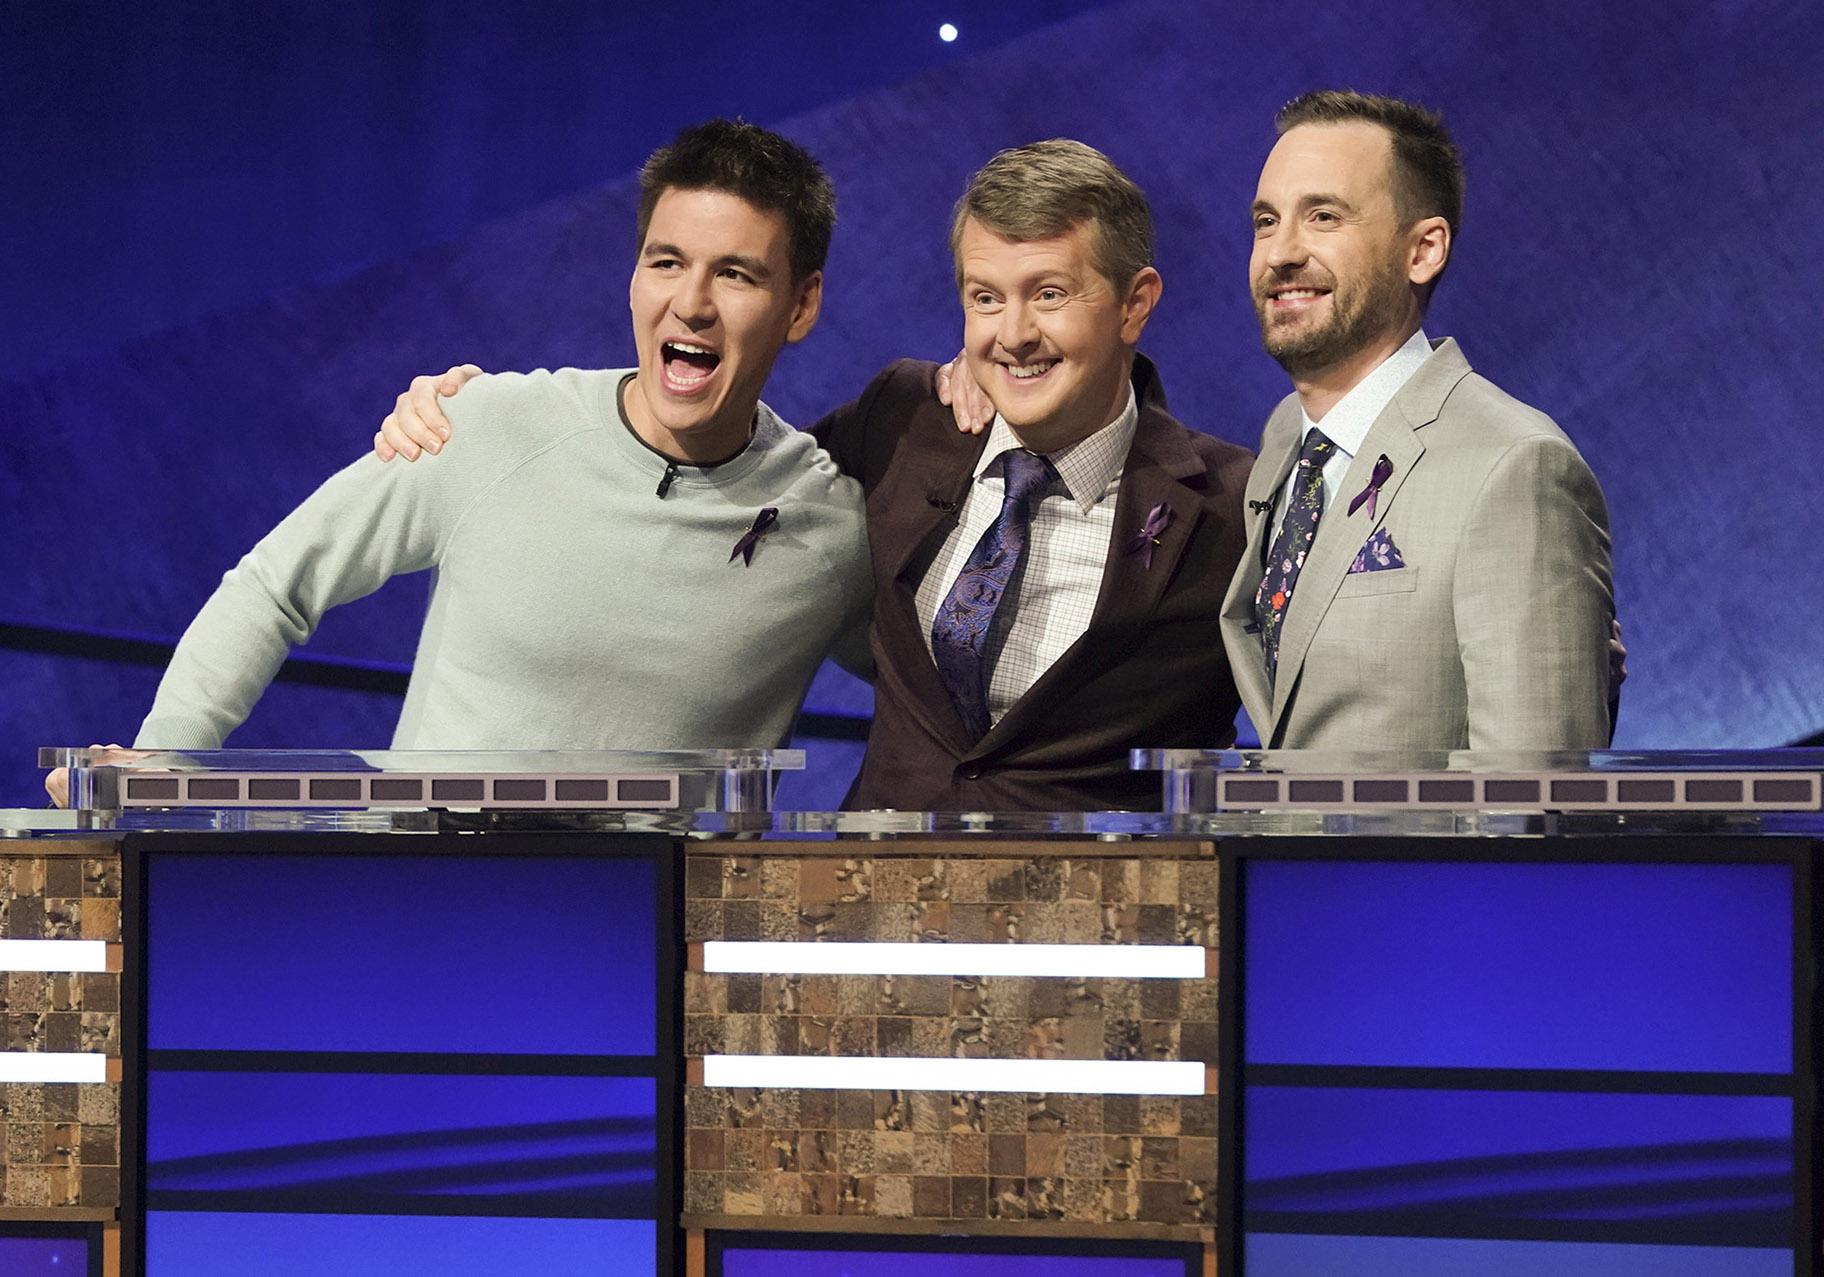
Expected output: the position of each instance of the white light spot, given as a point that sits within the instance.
(943, 1073)
(947, 32)
(831, 957)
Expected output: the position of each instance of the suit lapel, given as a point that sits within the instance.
(1340, 535)
(1158, 461)
(1279, 451)
(926, 500)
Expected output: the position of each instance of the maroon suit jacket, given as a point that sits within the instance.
(1149, 672)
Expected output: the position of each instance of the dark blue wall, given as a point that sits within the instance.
(1636, 259)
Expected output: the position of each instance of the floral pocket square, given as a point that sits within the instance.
(1378, 554)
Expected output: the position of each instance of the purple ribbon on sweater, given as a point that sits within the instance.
(1158, 519)
(763, 523)
(1383, 471)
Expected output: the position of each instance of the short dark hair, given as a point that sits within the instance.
(1045, 188)
(763, 168)
(1428, 168)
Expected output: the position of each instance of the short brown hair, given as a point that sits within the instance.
(1044, 189)
(768, 171)
(1427, 167)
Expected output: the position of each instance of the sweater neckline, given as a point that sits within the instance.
(650, 461)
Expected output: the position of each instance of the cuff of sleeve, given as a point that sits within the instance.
(176, 733)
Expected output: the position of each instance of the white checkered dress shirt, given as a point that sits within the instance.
(1065, 554)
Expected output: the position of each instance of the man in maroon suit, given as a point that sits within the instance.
(1104, 635)
(1047, 592)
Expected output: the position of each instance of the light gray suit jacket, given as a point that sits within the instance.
(1494, 635)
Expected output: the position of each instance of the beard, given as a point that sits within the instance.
(1360, 313)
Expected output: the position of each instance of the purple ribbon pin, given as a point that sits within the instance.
(1158, 519)
(763, 523)
(1383, 471)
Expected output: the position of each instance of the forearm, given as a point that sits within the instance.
(222, 665)
(360, 528)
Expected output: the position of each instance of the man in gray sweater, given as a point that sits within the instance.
(635, 558)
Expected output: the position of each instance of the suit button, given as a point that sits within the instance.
(972, 772)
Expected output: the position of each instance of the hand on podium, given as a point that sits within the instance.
(57, 782)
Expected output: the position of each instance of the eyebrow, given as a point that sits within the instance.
(752, 265)
(1051, 277)
(1317, 200)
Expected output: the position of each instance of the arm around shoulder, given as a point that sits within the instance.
(853, 434)
(1533, 598)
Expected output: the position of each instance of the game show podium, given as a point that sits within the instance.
(547, 1014)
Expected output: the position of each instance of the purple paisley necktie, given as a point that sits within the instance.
(961, 631)
(1296, 532)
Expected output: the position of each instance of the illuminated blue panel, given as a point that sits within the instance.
(1273, 1255)
(43, 1256)
(1580, 966)
(377, 1143)
(1707, 1169)
(202, 1244)
(450, 953)
(757, 1262)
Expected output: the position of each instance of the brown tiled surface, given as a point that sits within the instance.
(60, 1143)
(938, 1156)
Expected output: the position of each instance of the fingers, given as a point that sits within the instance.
(453, 380)
(416, 425)
(57, 782)
(420, 413)
(975, 410)
(392, 440)
(943, 382)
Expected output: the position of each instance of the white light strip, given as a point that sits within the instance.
(787, 957)
(53, 955)
(902, 1073)
(52, 1066)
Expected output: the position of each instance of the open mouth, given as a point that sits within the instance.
(1029, 372)
(1294, 299)
(688, 367)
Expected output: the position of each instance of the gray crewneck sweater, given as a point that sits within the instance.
(572, 608)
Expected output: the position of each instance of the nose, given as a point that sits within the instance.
(1283, 246)
(1018, 331)
(694, 301)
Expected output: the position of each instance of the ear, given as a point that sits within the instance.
(809, 305)
(1142, 297)
(1430, 249)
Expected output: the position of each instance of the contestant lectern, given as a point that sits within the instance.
(379, 1013)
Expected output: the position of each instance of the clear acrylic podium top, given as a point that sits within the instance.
(325, 789)
(1677, 783)
(1203, 793)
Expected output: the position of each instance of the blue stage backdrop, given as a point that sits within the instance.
(1636, 259)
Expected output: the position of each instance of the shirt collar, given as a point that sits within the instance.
(1088, 466)
(1348, 421)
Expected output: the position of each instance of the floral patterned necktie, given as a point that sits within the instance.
(1296, 532)
(960, 632)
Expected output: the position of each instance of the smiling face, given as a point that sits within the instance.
(1336, 276)
(713, 303)
(1047, 335)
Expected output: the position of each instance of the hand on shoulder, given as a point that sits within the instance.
(417, 423)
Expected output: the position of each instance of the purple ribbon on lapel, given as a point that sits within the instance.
(1158, 519)
(763, 522)
(1383, 471)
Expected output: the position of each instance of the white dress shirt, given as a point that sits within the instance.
(1346, 424)
(1055, 592)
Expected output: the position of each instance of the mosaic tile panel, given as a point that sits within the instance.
(1118, 1161)
(60, 1143)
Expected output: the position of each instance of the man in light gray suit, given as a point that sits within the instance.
(1428, 558)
